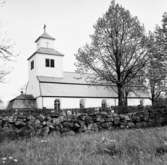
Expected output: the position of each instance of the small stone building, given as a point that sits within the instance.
(22, 101)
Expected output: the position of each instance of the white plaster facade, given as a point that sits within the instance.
(41, 70)
(44, 42)
(49, 83)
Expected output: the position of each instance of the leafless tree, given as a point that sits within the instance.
(6, 53)
(117, 52)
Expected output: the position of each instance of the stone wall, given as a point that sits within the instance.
(41, 123)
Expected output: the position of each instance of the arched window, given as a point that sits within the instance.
(57, 105)
(82, 103)
(103, 103)
(141, 102)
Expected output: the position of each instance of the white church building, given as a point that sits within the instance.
(48, 82)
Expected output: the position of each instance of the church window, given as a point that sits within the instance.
(103, 103)
(82, 103)
(52, 63)
(57, 105)
(49, 63)
(32, 65)
(140, 79)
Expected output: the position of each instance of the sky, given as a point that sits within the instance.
(69, 21)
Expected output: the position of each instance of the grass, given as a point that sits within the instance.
(119, 147)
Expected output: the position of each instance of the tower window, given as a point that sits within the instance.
(32, 64)
(49, 63)
(52, 63)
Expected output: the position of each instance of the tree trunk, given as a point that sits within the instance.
(153, 95)
(153, 100)
(126, 99)
(120, 95)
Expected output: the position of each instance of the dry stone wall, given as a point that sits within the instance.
(41, 123)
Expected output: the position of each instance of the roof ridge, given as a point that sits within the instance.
(49, 51)
(45, 35)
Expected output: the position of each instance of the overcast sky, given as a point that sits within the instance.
(69, 21)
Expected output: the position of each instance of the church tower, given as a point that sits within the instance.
(45, 61)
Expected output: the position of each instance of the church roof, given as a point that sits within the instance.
(70, 77)
(49, 51)
(45, 36)
(23, 101)
(24, 97)
(75, 85)
(74, 90)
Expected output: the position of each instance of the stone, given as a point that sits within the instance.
(116, 121)
(41, 117)
(93, 127)
(19, 124)
(67, 124)
(45, 131)
(37, 123)
(105, 125)
(130, 125)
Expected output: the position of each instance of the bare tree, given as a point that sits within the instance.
(138, 83)
(117, 52)
(5, 52)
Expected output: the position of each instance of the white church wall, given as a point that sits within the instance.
(42, 70)
(70, 102)
(48, 102)
(45, 43)
(112, 102)
(134, 102)
(32, 72)
(93, 102)
(33, 84)
(96, 102)
(39, 102)
(147, 102)
(33, 88)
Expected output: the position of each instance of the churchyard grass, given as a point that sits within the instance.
(118, 147)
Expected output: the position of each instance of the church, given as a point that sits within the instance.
(48, 82)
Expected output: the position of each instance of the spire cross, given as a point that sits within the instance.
(44, 28)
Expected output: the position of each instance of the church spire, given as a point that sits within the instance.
(44, 28)
(44, 35)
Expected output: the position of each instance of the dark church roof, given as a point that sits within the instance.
(75, 85)
(72, 78)
(23, 97)
(45, 36)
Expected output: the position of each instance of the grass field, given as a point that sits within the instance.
(119, 147)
